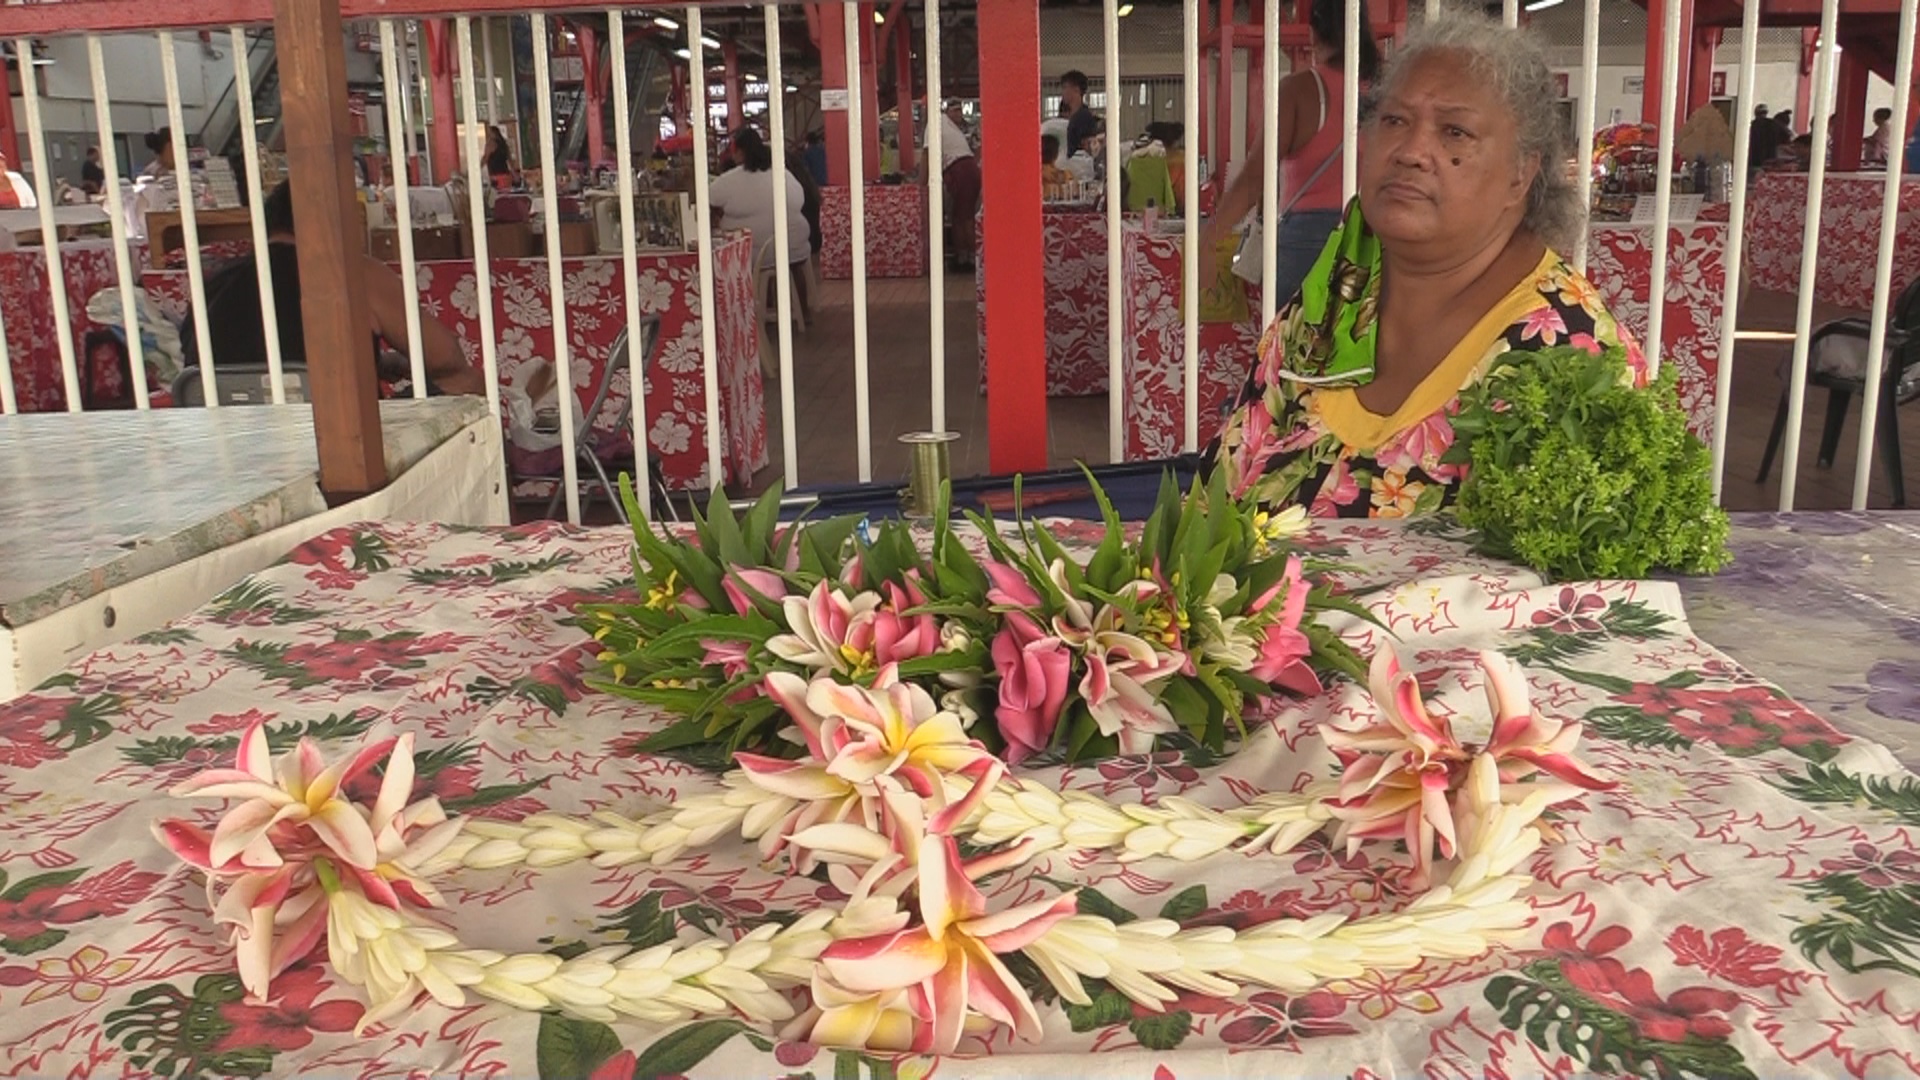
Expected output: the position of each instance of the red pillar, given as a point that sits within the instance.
(730, 55)
(1223, 93)
(1706, 40)
(1803, 90)
(1656, 26)
(903, 91)
(1015, 292)
(9, 139)
(1197, 142)
(592, 95)
(869, 91)
(833, 77)
(1850, 114)
(441, 134)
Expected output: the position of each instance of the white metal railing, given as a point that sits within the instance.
(43, 194)
(475, 63)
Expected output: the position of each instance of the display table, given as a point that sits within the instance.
(1849, 235)
(1620, 261)
(1691, 921)
(120, 521)
(896, 231)
(676, 406)
(26, 303)
(1075, 249)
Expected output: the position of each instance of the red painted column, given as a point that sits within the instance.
(902, 28)
(1223, 93)
(833, 76)
(9, 139)
(730, 55)
(592, 94)
(1706, 40)
(1015, 283)
(442, 133)
(1197, 142)
(1850, 114)
(869, 91)
(1656, 38)
(1803, 90)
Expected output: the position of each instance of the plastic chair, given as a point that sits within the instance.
(242, 384)
(1899, 384)
(593, 447)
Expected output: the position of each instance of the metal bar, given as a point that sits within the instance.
(629, 263)
(403, 205)
(189, 222)
(857, 202)
(936, 215)
(117, 223)
(477, 216)
(1736, 244)
(1116, 288)
(256, 205)
(556, 273)
(782, 247)
(1350, 106)
(1663, 184)
(1270, 162)
(1809, 252)
(1190, 214)
(1883, 270)
(1589, 106)
(709, 347)
(49, 232)
(1509, 13)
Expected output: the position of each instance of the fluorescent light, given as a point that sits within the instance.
(665, 23)
(1541, 5)
(683, 54)
(879, 18)
(792, 89)
(1127, 9)
(710, 43)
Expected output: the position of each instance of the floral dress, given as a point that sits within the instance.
(1290, 442)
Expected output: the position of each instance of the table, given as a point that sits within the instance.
(1075, 247)
(1849, 235)
(1620, 261)
(26, 302)
(676, 411)
(896, 218)
(119, 521)
(165, 234)
(1676, 907)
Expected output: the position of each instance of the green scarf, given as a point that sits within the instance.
(1331, 341)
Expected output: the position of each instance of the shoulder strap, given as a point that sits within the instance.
(1318, 172)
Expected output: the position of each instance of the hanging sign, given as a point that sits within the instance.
(833, 101)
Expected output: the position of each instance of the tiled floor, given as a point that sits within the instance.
(898, 336)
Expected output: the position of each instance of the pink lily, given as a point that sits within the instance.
(1524, 742)
(1121, 669)
(1034, 672)
(729, 656)
(1010, 587)
(1283, 648)
(898, 636)
(828, 631)
(740, 579)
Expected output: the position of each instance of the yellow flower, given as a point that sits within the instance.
(1394, 495)
(665, 596)
(85, 976)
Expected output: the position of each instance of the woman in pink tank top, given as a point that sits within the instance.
(1311, 105)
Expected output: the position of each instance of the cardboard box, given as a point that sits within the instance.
(578, 238)
(513, 240)
(440, 242)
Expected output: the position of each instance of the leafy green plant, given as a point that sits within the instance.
(1579, 475)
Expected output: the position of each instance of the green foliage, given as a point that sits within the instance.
(169, 1033)
(1831, 785)
(1626, 724)
(1867, 927)
(567, 1047)
(1556, 1017)
(1578, 475)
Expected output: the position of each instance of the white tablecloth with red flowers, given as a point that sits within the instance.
(676, 406)
(1074, 246)
(896, 219)
(26, 303)
(1620, 264)
(1745, 903)
(1849, 235)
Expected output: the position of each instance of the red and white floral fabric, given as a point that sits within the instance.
(676, 406)
(1849, 235)
(26, 303)
(1075, 249)
(1742, 904)
(1620, 264)
(896, 232)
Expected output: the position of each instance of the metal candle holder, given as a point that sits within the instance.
(930, 466)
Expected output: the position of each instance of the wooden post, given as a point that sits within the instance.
(444, 138)
(1706, 42)
(1016, 292)
(341, 379)
(592, 96)
(1650, 71)
(730, 56)
(1850, 114)
(869, 89)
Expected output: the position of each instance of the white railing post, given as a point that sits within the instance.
(1883, 269)
(702, 182)
(1809, 252)
(189, 220)
(1116, 288)
(403, 204)
(256, 206)
(783, 249)
(1190, 216)
(1589, 106)
(1270, 157)
(1663, 184)
(857, 208)
(629, 261)
(49, 232)
(1350, 105)
(1736, 243)
(477, 215)
(556, 269)
(1509, 13)
(936, 214)
(117, 226)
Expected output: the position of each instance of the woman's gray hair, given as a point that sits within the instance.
(1510, 62)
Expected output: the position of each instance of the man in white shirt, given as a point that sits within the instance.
(960, 177)
(743, 198)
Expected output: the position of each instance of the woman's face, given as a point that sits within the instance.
(1439, 164)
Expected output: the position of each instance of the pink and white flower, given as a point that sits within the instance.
(1119, 689)
(828, 631)
(1525, 743)
(1035, 670)
(742, 582)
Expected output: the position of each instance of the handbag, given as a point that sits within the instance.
(1246, 260)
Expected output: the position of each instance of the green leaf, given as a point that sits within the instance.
(1090, 902)
(1108, 1007)
(1823, 784)
(491, 795)
(1186, 904)
(680, 1050)
(568, 1049)
(1165, 1031)
(26, 887)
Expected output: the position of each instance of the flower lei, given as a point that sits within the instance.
(914, 959)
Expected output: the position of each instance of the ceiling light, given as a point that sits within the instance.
(665, 23)
(683, 54)
(792, 89)
(879, 18)
(1541, 5)
(710, 43)
(1127, 9)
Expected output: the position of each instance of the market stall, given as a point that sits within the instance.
(1076, 274)
(896, 221)
(1849, 235)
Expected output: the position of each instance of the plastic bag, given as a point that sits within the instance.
(159, 338)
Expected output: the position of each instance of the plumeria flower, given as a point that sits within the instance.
(829, 631)
(1118, 687)
(1525, 743)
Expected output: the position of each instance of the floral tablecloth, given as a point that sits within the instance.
(676, 406)
(1620, 265)
(1745, 903)
(896, 231)
(1075, 248)
(1849, 235)
(26, 302)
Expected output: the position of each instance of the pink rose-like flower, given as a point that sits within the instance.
(729, 656)
(765, 582)
(1010, 587)
(1283, 648)
(1034, 669)
(898, 636)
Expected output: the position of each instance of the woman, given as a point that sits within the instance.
(1312, 103)
(499, 162)
(743, 197)
(160, 143)
(1444, 265)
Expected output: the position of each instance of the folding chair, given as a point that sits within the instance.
(593, 448)
(240, 384)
